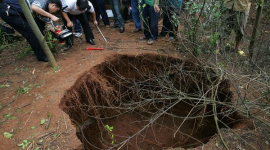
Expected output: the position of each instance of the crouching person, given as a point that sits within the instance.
(11, 13)
(77, 9)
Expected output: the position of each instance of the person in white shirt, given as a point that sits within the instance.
(77, 9)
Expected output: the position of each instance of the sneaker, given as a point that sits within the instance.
(162, 34)
(143, 38)
(137, 30)
(77, 35)
(150, 42)
(171, 38)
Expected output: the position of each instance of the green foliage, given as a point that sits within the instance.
(51, 41)
(7, 135)
(42, 121)
(26, 51)
(24, 89)
(24, 144)
(110, 134)
(214, 38)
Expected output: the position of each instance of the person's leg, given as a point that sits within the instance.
(173, 29)
(20, 24)
(86, 27)
(226, 28)
(95, 5)
(119, 18)
(153, 21)
(118, 13)
(136, 14)
(241, 18)
(116, 23)
(102, 9)
(146, 25)
(166, 23)
(77, 27)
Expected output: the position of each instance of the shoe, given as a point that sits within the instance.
(91, 41)
(44, 59)
(143, 38)
(107, 26)
(115, 26)
(67, 48)
(137, 30)
(77, 35)
(150, 42)
(162, 34)
(171, 38)
(122, 29)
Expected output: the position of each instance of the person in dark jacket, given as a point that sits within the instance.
(11, 13)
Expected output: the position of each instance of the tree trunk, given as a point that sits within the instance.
(38, 34)
(255, 28)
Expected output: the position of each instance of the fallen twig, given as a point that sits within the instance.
(29, 117)
(13, 99)
(58, 136)
(24, 106)
(45, 135)
(3, 121)
(65, 120)
(48, 123)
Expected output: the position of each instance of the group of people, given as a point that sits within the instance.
(77, 12)
(72, 11)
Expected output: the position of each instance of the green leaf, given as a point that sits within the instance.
(54, 135)
(7, 135)
(33, 127)
(49, 114)
(42, 121)
(8, 115)
(24, 144)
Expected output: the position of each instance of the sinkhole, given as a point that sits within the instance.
(148, 102)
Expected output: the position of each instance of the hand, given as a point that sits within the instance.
(95, 23)
(50, 27)
(54, 18)
(156, 8)
(70, 24)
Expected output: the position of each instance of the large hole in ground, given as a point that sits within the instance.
(148, 102)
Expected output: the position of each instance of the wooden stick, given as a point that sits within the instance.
(48, 123)
(29, 117)
(24, 106)
(45, 135)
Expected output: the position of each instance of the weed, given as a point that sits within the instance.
(111, 135)
(52, 41)
(24, 144)
(7, 135)
(24, 89)
(27, 51)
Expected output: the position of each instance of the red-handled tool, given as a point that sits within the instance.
(93, 48)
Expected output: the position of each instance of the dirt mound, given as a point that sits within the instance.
(148, 102)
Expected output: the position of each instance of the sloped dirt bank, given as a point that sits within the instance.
(148, 102)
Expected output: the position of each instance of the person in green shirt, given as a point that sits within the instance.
(150, 14)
